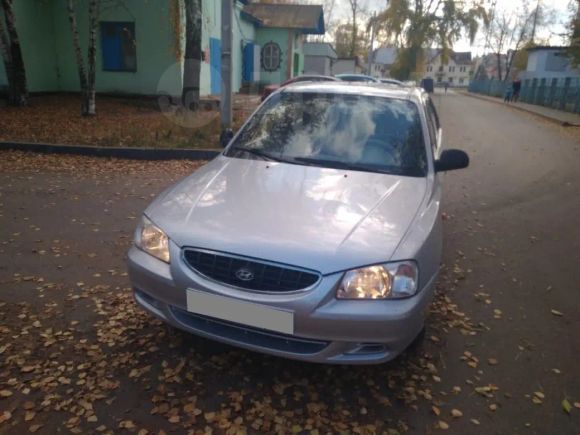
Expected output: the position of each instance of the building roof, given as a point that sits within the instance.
(460, 58)
(385, 55)
(547, 48)
(323, 49)
(306, 18)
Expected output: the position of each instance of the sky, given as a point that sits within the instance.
(560, 7)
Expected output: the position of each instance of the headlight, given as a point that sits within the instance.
(152, 240)
(383, 281)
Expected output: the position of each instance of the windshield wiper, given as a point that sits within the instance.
(259, 153)
(335, 164)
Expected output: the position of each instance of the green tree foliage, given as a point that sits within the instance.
(416, 24)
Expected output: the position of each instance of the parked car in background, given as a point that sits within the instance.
(357, 78)
(305, 78)
(391, 82)
(316, 235)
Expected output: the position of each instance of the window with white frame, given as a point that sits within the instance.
(271, 56)
(451, 69)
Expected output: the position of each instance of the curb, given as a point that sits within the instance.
(521, 109)
(119, 153)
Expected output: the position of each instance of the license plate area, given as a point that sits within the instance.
(241, 312)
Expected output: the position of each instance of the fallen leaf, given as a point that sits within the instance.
(566, 406)
(29, 415)
(475, 422)
(35, 427)
(5, 393)
(443, 425)
(5, 416)
(456, 413)
(492, 361)
(557, 313)
(127, 424)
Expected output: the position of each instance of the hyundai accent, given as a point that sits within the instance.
(315, 234)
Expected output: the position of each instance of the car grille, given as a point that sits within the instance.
(259, 276)
(248, 335)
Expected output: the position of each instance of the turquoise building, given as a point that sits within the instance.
(140, 45)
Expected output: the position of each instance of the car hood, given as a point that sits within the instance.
(317, 218)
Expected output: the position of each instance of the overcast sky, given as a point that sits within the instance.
(560, 6)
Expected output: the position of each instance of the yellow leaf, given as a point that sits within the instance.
(443, 425)
(456, 413)
(5, 393)
(29, 415)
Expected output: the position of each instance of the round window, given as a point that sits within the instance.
(271, 56)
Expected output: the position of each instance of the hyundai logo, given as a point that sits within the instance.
(244, 274)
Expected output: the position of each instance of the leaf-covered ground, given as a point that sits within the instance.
(56, 119)
(77, 351)
(500, 353)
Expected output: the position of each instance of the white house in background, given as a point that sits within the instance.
(348, 65)
(549, 63)
(318, 58)
(383, 60)
(456, 70)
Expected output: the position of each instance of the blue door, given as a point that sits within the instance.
(215, 62)
(248, 72)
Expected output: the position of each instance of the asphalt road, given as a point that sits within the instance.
(500, 354)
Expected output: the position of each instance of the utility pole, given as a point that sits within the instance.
(371, 53)
(226, 67)
(535, 21)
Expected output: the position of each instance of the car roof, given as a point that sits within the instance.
(357, 88)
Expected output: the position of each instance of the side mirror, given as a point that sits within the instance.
(451, 160)
(226, 136)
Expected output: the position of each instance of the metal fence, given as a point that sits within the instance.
(557, 93)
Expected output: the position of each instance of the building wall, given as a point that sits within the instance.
(448, 72)
(317, 65)
(244, 32)
(279, 36)
(36, 30)
(49, 58)
(547, 64)
(344, 66)
(158, 47)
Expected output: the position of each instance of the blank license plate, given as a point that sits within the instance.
(245, 313)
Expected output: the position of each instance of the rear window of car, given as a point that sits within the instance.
(357, 132)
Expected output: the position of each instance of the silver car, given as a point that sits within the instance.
(315, 235)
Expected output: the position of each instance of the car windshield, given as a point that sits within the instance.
(352, 132)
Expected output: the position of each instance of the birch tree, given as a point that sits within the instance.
(419, 24)
(12, 56)
(86, 75)
(193, 60)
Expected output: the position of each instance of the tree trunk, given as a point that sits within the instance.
(499, 71)
(87, 80)
(78, 53)
(15, 70)
(90, 102)
(193, 57)
(5, 51)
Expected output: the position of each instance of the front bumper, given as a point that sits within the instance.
(326, 330)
